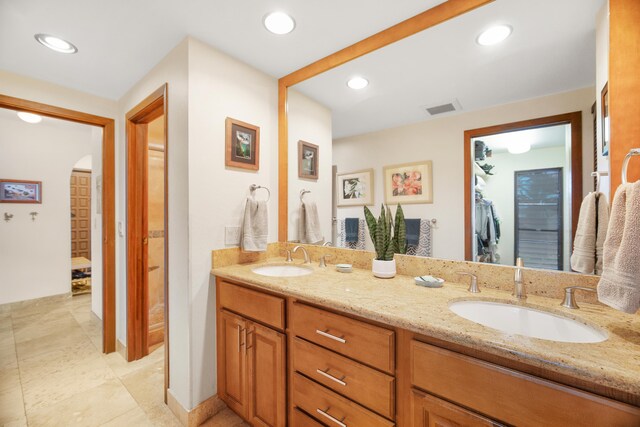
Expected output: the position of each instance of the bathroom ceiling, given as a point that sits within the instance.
(551, 50)
(547, 137)
(119, 41)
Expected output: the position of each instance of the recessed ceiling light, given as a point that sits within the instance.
(56, 43)
(29, 117)
(358, 83)
(279, 23)
(494, 35)
(519, 147)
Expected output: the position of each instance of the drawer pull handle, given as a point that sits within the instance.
(241, 331)
(331, 377)
(328, 335)
(334, 419)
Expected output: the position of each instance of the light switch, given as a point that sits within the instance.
(232, 235)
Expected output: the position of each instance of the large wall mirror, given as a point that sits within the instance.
(488, 148)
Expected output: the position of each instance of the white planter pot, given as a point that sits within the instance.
(384, 269)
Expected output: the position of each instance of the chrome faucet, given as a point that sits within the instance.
(569, 300)
(323, 260)
(327, 243)
(289, 259)
(304, 251)
(473, 285)
(519, 288)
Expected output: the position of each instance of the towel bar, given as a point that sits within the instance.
(254, 187)
(625, 163)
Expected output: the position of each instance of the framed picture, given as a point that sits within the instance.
(355, 188)
(242, 143)
(408, 183)
(20, 191)
(604, 114)
(308, 160)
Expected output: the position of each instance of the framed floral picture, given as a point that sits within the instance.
(355, 188)
(242, 145)
(20, 191)
(308, 160)
(408, 183)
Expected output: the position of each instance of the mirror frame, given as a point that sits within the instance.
(427, 19)
(574, 119)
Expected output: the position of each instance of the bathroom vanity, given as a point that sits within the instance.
(335, 349)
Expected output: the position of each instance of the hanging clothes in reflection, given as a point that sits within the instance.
(487, 230)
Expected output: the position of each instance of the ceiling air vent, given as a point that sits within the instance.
(443, 108)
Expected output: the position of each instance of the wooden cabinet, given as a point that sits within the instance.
(266, 372)
(429, 411)
(251, 356)
(232, 366)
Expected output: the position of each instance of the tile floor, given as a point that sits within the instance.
(52, 372)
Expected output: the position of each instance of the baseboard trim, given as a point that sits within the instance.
(198, 415)
(122, 349)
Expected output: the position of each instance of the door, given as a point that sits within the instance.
(538, 218)
(267, 383)
(81, 214)
(233, 332)
(429, 411)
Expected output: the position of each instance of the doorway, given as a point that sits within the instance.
(107, 200)
(81, 224)
(147, 249)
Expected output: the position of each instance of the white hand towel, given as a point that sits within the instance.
(583, 258)
(602, 226)
(309, 224)
(255, 226)
(619, 285)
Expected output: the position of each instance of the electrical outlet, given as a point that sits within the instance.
(232, 235)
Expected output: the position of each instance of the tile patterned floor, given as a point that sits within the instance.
(52, 372)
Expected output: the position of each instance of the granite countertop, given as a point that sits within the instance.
(398, 302)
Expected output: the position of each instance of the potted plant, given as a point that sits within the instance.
(388, 239)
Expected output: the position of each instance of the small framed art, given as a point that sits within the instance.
(242, 144)
(408, 183)
(355, 188)
(308, 160)
(20, 191)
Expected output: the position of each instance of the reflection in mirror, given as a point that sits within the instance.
(401, 139)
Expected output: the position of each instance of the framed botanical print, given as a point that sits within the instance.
(20, 191)
(308, 160)
(408, 183)
(355, 188)
(242, 145)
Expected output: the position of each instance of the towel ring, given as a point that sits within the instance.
(254, 187)
(625, 163)
(597, 176)
(303, 192)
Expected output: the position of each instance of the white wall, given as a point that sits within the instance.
(220, 87)
(309, 121)
(602, 76)
(500, 189)
(442, 141)
(35, 256)
(172, 70)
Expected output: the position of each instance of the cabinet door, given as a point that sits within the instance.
(267, 380)
(232, 352)
(429, 411)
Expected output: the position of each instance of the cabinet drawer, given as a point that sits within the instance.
(358, 382)
(253, 304)
(428, 410)
(511, 396)
(358, 340)
(333, 409)
(300, 419)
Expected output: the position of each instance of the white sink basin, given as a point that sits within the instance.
(529, 322)
(282, 270)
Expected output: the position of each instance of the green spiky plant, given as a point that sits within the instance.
(381, 230)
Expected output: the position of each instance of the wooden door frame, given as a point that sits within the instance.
(108, 201)
(574, 119)
(427, 19)
(147, 110)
